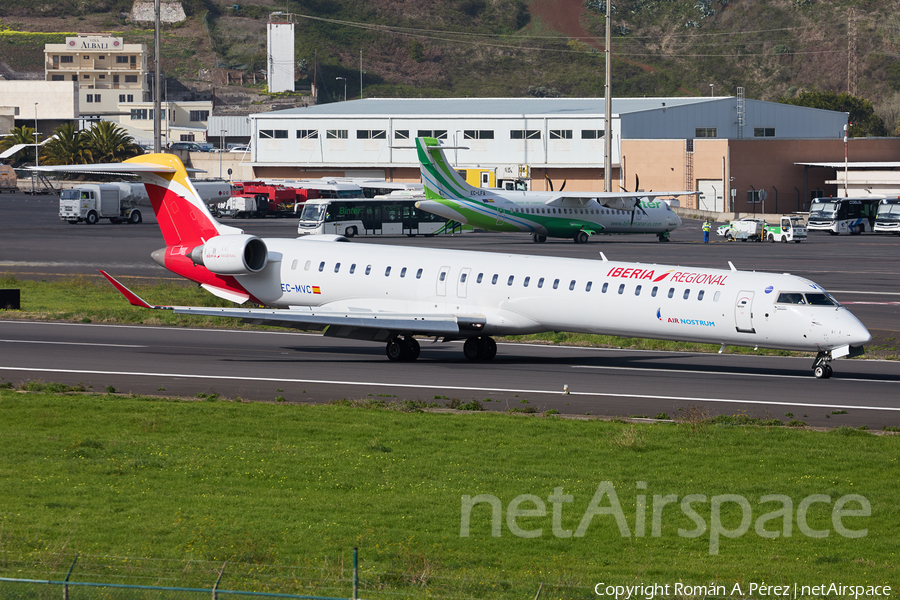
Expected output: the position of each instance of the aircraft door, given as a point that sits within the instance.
(743, 312)
(443, 274)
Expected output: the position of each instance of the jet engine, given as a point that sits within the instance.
(232, 255)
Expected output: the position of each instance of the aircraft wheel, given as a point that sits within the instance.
(823, 371)
(92, 218)
(135, 217)
(581, 237)
(537, 238)
(412, 348)
(472, 348)
(395, 350)
(489, 350)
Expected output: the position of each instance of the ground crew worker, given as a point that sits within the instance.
(706, 227)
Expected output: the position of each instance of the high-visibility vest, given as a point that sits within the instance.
(706, 226)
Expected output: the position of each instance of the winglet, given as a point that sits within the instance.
(133, 298)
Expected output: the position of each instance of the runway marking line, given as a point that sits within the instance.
(73, 344)
(455, 388)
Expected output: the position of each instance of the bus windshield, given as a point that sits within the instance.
(823, 209)
(889, 211)
(314, 212)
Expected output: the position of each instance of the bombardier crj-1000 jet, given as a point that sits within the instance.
(390, 294)
(571, 215)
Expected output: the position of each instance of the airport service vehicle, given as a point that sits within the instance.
(8, 179)
(842, 215)
(748, 228)
(887, 219)
(92, 202)
(391, 294)
(788, 229)
(383, 215)
(257, 199)
(572, 215)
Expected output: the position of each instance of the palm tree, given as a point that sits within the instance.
(20, 135)
(69, 147)
(107, 142)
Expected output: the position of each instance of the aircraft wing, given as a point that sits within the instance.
(615, 200)
(355, 324)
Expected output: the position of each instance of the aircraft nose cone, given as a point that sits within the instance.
(859, 335)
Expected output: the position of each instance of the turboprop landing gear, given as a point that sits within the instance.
(402, 349)
(480, 348)
(581, 237)
(537, 238)
(821, 368)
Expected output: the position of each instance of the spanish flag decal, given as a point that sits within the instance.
(316, 290)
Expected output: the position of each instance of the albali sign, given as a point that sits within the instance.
(107, 43)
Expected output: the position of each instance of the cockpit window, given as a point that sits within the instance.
(820, 300)
(790, 298)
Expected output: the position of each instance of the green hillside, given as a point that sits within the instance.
(514, 48)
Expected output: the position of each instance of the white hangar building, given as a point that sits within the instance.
(722, 146)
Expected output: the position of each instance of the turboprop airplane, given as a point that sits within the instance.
(573, 215)
(390, 294)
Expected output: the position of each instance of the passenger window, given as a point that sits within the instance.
(321, 266)
(637, 291)
(716, 296)
(653, 291)
(403, 272)
(419, 274)
(494, 279)
(571, 285)
(527, 279)
(604, 288)
(700, 295)
(555, 283)
(308, 265)
(541, 282)
(387, 272)
(587, 288)
(671, 292)
(368, 269)
(621, 288)
(687, 293)
(294, 265)
(443, 276)
(337, 267)
(353, 268)
(510, 280)
(462, 277)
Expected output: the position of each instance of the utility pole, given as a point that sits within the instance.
(157, 142)
(607, 101)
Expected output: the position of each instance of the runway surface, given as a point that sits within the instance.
(860, 271)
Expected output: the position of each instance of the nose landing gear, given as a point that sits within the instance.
(821, 367)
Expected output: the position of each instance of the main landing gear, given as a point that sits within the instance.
(821, 368)
(538, 238)
(580, 237)
(402, 349)
(480, 348)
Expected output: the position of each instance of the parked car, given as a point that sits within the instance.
(241, 148)
(189, 146)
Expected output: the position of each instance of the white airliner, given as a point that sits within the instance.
(571, 215)
(389, 294)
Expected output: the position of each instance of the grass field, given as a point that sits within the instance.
(280, 487)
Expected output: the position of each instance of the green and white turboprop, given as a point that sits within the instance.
(571, 215)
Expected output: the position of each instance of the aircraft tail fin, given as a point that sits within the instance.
(183, 216)
(439, 178)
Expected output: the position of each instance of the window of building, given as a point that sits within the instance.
(478, 134)
(133, 59)
(115, 79)
(102, 76)
(187, 138)
(401, 134)
(121, 60)
(371, 134)
(57, 77)
(763, 132)
(86, 57)
(102, 57)
(336, 134)
(525, 134)
(130, 98)
(560, 134)
(705, 132)
(592, 134)
(89, 98)
(203, 115)
(307, 134)
(121, 97)
(138, 114)
(66, 59)
(440, 134)
(273, 134)
(131, 78)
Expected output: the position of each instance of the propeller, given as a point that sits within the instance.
(550, 183)
(637, 203)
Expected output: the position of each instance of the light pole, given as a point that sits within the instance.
(37, 149)
(711, 90)
(345, 86)
(221, 149)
